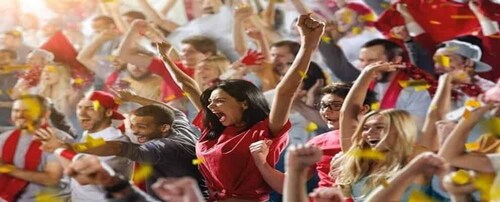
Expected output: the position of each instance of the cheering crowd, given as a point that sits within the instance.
(250, 100)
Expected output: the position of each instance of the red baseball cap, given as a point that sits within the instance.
(107, 101)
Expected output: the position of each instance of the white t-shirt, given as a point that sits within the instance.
(120, 165)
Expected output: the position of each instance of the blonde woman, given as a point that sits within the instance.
(391, 133)
(209, 70)
(55, 83)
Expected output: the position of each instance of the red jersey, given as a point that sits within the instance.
(170, 89)
(329, 143)
(228, 166)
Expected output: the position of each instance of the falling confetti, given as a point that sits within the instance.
(6, 168)
(435, 22)
(483, 184)
(198, 161)
(45, 196)
(51, 69)
(326, 39)
(473, 146)
(34, 110)
(311, 127)
(375, 106)
(466, 114)
(169, 98)
(96, 105)
(493, 126)
(385, 5)
(443, 60)
(419, 196)
(356, 30)
(303, 75)
(77, 81)
(90, 142)
(185, 94)
(143, 173)
(472, 103)
(368, 154)
(461, 177)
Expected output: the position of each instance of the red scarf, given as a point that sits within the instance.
(10, 186)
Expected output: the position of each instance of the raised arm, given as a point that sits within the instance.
(128, 50)
(353, 103)
(297, 163)
(113, 9)
(453, 149)
(442, 98)
(154, 16)
(269, 13)
(86, 55)
(241, 14)
(167, 7)
(184, 81)
(311, 31)
(425, 163)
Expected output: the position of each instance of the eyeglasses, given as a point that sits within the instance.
(335, 106)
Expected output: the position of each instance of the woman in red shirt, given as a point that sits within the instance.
(235, 114)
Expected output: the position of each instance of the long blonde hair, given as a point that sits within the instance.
(221, 63)
(353, 169)
(60, 91)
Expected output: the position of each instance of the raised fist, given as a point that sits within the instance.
(310, 30)
(301, 157)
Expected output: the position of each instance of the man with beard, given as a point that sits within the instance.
(95, 113)
(166, 141)
(26, 170)
(387, 85)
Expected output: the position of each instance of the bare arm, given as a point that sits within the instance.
(442, 98)
(311, 32)
(167, 7)
(453, 149)
(240, 15)
(114, 11)
(128, 47)
(154, 16)
(298, 161)
(86, 55)
(269, 13)
(50, 176)
(353, 103)
(184, 81)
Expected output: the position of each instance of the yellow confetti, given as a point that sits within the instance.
(460, 17)
(51, 69)
(169, 98)
(90, 142)
(369, 17)
(311, 127)
(118, 101)
(326, 39)
(34, 110)
(77, 81)
(483, 184)
(368, 154)
(385, 5)
(403, 83)
(185, 94)
(435, 22)
(461, 177)
(198, 161)
(443, 60)
(466, 114)
(493, 126)
(303, 75)
(47, 197)
(419, 196)
(375, 106)
(422, 88)
(356, 30)
(30, 128)
(142, 174)
(6, 168)
(96, 105)
(473, 146)
(347, 17)
(472, 103)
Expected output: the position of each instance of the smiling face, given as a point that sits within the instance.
(50, 74)
(26, 112)
(329, 109)
(456, 62)
(346, 19)
(226, 108)
(145, 128)
(374, 130)
(92, 119)
(190, 57)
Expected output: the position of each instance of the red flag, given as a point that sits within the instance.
(442, 20)
(490, 9)
(64, 52)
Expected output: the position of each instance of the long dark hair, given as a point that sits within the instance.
(241, 90)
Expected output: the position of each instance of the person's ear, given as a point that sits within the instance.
(244, 105)
(365, 109)
(164, 128)
(398, 59)
(108, 113)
